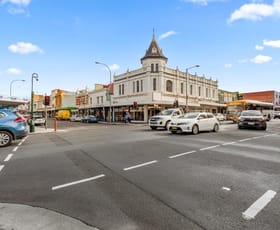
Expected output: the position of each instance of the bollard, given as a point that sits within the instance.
(55, 124)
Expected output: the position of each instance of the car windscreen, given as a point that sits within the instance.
(251, 113)
(165, 112)
(190, 115)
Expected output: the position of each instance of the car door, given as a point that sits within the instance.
(202, 122)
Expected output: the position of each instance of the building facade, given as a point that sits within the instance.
(154, 87)
(265, 96)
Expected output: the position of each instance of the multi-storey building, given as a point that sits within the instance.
(154, 87)
(266, 96)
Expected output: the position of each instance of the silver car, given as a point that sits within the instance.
(194, 123)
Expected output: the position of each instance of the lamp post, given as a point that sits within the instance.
(187, 76)
(34, 76)
(11, 83)
(110, 102)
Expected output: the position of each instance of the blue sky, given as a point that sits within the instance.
(235, 42)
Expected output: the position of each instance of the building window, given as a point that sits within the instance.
(157, 68)
(199, 91)
(154, 84)
(122, 89)
(141, 86)
(191, 89)
(182, 88)
(152, 68)
(206, 92)
(98, 102)
(169, 86)
(90, 100)
(137, 86)
(213, 93)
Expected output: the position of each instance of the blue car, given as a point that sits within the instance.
(13, 126)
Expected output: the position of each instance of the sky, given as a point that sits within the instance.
(235, 42)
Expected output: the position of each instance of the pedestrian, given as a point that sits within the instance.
(127, 117)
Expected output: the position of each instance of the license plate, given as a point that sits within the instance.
(251, 123)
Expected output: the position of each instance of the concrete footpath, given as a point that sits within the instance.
(24, 217)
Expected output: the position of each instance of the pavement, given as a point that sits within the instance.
(24, 217)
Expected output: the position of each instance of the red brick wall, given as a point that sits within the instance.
(266, 96)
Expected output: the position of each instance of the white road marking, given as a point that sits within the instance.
(226, 188)
(182, 154)
(15, 149)
(9, 157)
(258, 205)
(246, 139)
(77, 182)
(211, 147)
(229, 143)
(140, 165)
(1, 167)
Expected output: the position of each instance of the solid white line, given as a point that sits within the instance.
(9, 157)
(77, 182)
(140, 165)
(1, 167)
(182, 154)
(258, 205)
(211, 147)
(229, 143)
(226, 188)
(15, 149)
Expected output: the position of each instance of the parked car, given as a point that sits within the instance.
(163, 118)
(89, 119)
(276, 114)
(75, 118)
(220, 116)
(195, 122)
(38, 119)
(13, 126)
(251, 119)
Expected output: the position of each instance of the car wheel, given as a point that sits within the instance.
(264, 128)
(195, 130)
(153, 127)
(167, 125)
(5, 138)
(216, 128)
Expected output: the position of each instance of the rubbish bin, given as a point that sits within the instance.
(31, 126)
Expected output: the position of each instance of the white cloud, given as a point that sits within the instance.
(258, 47)
(202, 2)
(24, 48)
(274, 44)
(13, 71)
(114, 67)
(256, 11)
(259, 59)
(167, 34)
(17, 6)
(17, 2)
(228, 66)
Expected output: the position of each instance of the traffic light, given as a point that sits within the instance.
(47, 100)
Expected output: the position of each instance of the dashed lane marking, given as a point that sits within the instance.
(77, 182)
(1, 167)
(140, 165)
(210, 147)
(181, 154)
(8, 157)
(258, 205)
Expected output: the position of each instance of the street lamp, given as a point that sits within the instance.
(187, 76)
(34, 76)
(11, 83)
(110, 103)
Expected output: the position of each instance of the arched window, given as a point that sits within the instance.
(152, 68)
(157, 68)
(169, 86)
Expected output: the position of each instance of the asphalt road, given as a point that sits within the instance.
(130, 177)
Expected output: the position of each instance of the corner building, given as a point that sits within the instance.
(154, 87)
